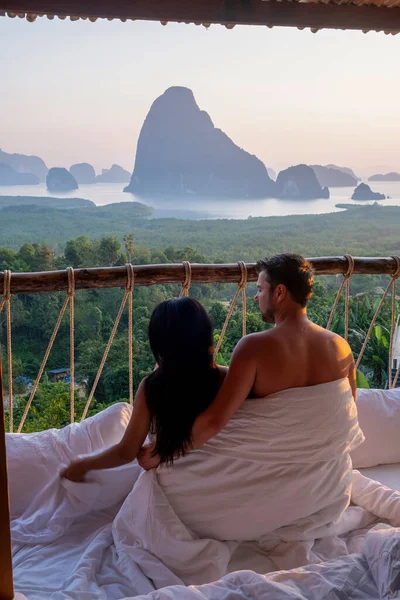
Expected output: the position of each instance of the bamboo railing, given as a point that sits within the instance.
(144, 275)
(114, 277)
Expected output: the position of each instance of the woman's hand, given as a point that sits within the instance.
(146, 459)
(76, 471)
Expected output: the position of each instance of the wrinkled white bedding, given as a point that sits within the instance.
(118, 535)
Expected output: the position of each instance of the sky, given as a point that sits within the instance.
(80, 91)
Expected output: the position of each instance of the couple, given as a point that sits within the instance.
(188, 400)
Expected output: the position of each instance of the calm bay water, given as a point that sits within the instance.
(211, 208)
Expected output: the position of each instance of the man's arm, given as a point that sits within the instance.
(346, 358)
(233, 392)
(352, 377)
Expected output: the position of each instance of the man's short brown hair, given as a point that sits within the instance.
(291, 270)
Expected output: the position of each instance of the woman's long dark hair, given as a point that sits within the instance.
(186, 380)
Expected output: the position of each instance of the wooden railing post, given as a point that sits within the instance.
(6, 578)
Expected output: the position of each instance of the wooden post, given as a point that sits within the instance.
(6, 579)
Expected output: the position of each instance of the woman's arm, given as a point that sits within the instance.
(123, 452)
(235, 389)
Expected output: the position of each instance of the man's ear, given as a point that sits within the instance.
(280, 291)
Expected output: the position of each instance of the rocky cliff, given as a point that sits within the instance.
(114, 175)
(388, 177)
(25, 164)
(60, 180)
(9, 176)
(330, 177)
(345, 170)
(83, 173)
(299, 182)
(364, 192)
(181, 152)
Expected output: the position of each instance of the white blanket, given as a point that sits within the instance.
(119, 536)
(279, 460)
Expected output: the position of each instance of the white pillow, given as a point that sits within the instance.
(379, 418)
(34, 458)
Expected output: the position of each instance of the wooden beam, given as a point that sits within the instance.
(114, 277)
(225, 12)
(6, 579)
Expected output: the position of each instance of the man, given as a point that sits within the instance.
(296, 353)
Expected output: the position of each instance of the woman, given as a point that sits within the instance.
(168, 400)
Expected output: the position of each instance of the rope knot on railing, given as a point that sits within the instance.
(7, 286)
(130, 274)
(396, 274)
(243, 270)
(71, 282)
(188, 279)
(350, 266)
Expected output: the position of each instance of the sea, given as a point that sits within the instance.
(194, 207)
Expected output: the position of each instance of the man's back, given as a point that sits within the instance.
(297, 355)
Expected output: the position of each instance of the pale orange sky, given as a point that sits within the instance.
(78, 91)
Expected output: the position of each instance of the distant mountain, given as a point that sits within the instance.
(364, 192)
(271, 173)
(299, 182)
(345, 170)
(8, 176)
(83, 173)
(180, 151)
(25, 164)
(388, 177)
(60, 180)
(330, 177)
(114, 175)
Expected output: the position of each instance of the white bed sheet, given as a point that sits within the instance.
(90, 541)
(388, 475)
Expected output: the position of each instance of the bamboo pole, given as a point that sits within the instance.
(114, 277)
(334, 15)
(6, 579)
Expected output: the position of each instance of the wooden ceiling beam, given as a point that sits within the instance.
(225, 12)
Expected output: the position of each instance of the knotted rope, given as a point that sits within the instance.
(130, 285)
(70, 295)
(395, 276)
(392, 282)
(188, 279)
(345, 283)
(241, 289)
(128, 292)
(6, 301)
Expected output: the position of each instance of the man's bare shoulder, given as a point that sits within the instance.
(252, 342)
(333, 338)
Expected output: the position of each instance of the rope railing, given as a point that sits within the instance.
(71, 280)
(6, 301)
(128, 293)
(345, 283)
(391, 284)
(70, 295)
(241, 289)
